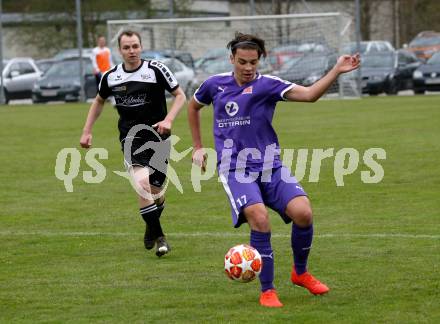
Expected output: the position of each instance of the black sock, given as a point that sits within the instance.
(160, 207)
(150, 214)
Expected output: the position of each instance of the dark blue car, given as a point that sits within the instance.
(427, 76)
(388, 72)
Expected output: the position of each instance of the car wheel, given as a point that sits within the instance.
(6, 96)
(392, 88)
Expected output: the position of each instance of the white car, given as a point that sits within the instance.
(373, 46)
(183, 73)
(19, 77)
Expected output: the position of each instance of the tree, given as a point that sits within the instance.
(416, 16)
(50, 25)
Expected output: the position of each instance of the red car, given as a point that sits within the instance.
(281, 54)
(425, 44)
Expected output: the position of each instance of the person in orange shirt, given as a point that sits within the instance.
(102, 59)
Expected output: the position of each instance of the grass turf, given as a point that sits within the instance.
(79, 257)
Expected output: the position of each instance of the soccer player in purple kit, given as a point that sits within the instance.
(248, 160)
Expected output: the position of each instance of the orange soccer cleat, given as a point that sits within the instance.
(309, 282)
(269, 298)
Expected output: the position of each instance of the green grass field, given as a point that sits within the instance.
(79, 257)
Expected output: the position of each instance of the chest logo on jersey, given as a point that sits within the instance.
(248, 90)
(231, 108)
(119, 89)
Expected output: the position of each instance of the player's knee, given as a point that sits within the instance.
(261, 225)
(143, 185)
(259, 221)
(303, 217)
(300, 211)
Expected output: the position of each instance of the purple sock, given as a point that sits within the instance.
(301, 244)
(261, 242)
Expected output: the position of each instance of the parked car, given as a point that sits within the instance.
(45, 64)
(183, 73)
(427, 76)
(425, 44)
(19, 77)
(388, 72)
(307, 69)
(367, 47)
(61, 82)
(152, 55)
(211, 55)
(282, 54)
(184, 57)
(220, 65)
(86, 52)
(73, 52)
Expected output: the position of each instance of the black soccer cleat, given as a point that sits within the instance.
(162, 246)
(149, 241)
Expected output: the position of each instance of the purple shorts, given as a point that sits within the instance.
(275, 191)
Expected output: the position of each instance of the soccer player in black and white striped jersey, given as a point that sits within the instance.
(138, 88)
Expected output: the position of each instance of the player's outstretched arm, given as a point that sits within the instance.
(94, 112)
(345, 63)
(199, 156)
(164, 127)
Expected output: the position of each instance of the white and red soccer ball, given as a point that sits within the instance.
(243, 263)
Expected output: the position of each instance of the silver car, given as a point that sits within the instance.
(368, 47)
(19, 77)
(183, 73)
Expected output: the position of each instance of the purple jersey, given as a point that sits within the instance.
(243, 131)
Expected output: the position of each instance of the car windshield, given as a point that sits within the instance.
(377, 61)
(44, 66)
(352, 48)
(224, 65)
(152, 55)
(218, 66)
(435, 59)
(216, 52)
(299, 48)
(306, 62)
(425, 41)
(285, 48)
(173, 64)
(73, 52)
(67, 68)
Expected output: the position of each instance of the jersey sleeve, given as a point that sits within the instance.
(278, 87)
(103, 88)
(164, 75)
(203, 95)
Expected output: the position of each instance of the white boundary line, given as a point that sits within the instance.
(219, 234)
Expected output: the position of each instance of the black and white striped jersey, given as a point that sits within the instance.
(139, 95)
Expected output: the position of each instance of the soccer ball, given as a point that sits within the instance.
(243, 263)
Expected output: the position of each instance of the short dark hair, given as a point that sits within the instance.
(247, 41)
(129, 33)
